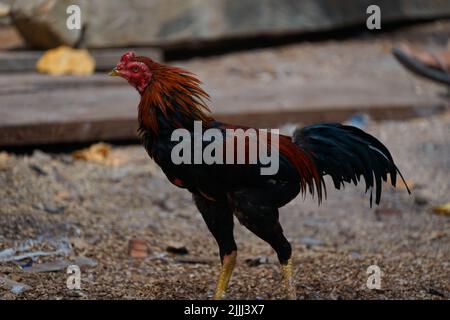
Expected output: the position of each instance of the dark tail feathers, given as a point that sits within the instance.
(346, 153)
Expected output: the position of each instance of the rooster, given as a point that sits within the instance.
(172, 98)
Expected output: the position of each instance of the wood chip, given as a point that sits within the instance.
(388, 212)
(137, 248)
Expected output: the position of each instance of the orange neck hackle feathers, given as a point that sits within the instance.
(171, 89)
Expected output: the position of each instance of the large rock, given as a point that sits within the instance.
(165, 23)
(5, 6)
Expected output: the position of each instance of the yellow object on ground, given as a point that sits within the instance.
(101, 153)
(443, 209)
(66, 61)
(98, 152)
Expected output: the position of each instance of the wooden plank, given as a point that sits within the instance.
(299, 84)
(76, 131)
(37, 109)
(105, 59)
(125, 128)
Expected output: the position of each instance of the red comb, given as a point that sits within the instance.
(127, 56)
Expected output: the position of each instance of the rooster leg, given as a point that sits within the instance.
(228, 263)
(288, 280)
(263, 222)
(219, 219)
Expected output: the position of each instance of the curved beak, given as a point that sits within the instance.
(114, 73)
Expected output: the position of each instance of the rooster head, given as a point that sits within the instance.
(135, 70)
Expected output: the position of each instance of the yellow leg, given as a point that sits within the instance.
(225, 274)
(288, 280)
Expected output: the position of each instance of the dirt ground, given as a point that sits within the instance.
(76, 208)
(57, 210)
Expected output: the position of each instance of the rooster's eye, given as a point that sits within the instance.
(135, 69)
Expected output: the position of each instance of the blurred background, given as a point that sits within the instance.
(265, 63)
(77, 187)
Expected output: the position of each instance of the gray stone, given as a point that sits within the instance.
(14, 286)
(309, 242)
(5, 9)
(422, 197)
(168, 23)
